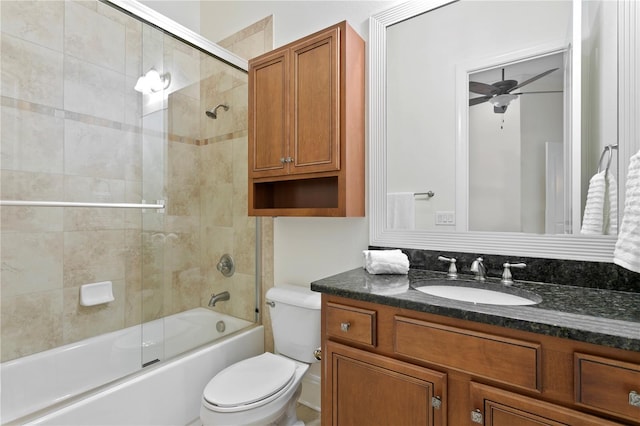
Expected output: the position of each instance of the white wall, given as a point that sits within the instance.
(184, 12)
(293, 19)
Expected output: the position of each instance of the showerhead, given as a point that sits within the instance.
(213, 112)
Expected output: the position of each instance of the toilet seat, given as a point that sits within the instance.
(249, 383)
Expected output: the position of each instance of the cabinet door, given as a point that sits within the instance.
(268, 115)
(361, 388)
(497, 407)
(314, 102)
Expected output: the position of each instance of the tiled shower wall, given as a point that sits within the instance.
(73, 129)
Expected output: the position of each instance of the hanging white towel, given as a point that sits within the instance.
(401, 210)
(627, 251)
(611, 206)
(601, 210)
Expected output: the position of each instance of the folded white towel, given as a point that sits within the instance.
(386, 262)
(601, 210)
(401, 210)
(627, 251)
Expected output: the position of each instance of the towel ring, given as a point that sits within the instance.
(609, 149)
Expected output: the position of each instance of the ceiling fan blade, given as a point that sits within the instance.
(532, 79)
(479, 100)
(542, 91)
(482, 88)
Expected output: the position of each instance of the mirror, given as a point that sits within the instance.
(425, 138)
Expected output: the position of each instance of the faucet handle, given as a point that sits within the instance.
(507, 278)
(453, 272)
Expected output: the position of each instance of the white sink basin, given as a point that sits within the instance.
(482, 295)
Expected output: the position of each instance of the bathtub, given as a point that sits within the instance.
(98, 381)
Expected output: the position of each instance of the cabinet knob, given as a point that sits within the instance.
(476, 416)
(634, 399)
(282, 160)
(345, 326)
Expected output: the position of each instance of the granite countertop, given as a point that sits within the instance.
(603, 317)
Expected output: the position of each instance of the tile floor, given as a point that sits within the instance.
(309, 416)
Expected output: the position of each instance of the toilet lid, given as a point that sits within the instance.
(250, 380)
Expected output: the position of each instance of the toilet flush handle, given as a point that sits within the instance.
(318, 354)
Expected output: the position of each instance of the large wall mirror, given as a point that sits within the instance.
(485, 132)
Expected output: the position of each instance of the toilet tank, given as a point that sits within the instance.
(295, 318)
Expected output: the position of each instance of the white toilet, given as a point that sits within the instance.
(263, 390)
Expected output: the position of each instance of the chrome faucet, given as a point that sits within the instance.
(220, 297)
(479, 269)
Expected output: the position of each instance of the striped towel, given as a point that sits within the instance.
(627, 251)
(601, 210)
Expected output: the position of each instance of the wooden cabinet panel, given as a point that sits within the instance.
(369, 389)
(607, 385)
(349, 323)
(268, 112)
(496, 407)
(510, 361)
(316, 112)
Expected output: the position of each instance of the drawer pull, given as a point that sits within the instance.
(345, 326)
(476, 416)
(634, 399)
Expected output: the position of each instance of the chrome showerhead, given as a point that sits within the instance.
(213, 112)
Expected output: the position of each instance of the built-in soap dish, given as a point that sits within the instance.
(96, 293)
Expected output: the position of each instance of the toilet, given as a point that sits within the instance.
(263, 390)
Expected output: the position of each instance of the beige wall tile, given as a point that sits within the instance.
(97, 151)
(31, 141)
(31, 72)
(30, 323)
(31, 262)
(81, 322)
(93, 256)
(94, 38)
(35, 21)
(105, 85)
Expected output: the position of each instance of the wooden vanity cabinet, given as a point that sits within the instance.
(306, 127)
(370, 389)
(386, 365)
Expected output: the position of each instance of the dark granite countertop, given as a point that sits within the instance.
(603, 317)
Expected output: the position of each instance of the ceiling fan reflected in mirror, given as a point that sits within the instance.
(499, 94)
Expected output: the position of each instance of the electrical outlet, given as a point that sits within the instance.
(445, 218)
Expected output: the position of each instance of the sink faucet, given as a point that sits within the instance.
(220, 297)
(479, 269)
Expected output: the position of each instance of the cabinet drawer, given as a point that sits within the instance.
(510, 361)
(350, 323)
(608, 385)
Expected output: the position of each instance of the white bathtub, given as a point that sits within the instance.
(66, 385)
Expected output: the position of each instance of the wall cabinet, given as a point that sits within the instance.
(458, 372)
(306, 127)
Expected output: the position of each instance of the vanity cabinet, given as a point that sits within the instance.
(306, 127)
(477, 374)
(369, 389)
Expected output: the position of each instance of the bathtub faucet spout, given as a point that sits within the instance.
(220, 297)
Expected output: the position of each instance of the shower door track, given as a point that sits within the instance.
(158, 206)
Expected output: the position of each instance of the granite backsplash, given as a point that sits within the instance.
(602, 275)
